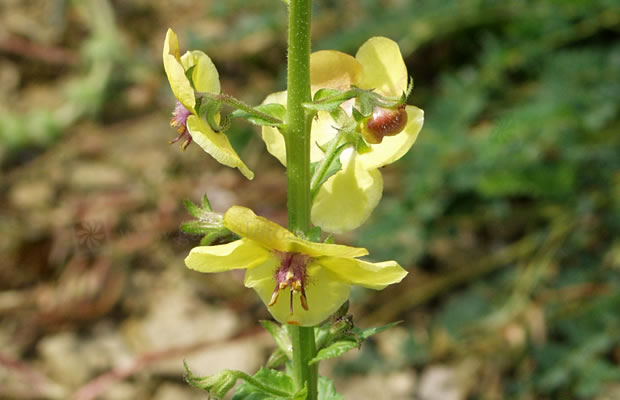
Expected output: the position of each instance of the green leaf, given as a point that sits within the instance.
(277, 359)
(334, 350)
(269, 384)
(280, 335)
(263, 112)
(217, 385)
(348, 342)
(327, 391)
(368, 332)
(325, 93)
(333, 167)
(329, 99)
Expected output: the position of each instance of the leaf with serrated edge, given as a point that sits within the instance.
(268, 377)
(334, 350)
(349, 342)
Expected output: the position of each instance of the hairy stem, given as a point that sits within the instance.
(298, 170)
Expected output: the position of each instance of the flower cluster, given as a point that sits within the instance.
(347, 199)
(300, 281)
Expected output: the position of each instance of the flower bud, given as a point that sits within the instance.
(384, 122)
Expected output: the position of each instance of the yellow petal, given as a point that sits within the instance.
(325, 293)
(333, 69)
(272, 136)
(323, 130)
(216, 144)
(347, 199)
(245, 223)
(393, 148)
(384, 68)
(362, 273)
(179, 83)
(204, 74)
(239, 254)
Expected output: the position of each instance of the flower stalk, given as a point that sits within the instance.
(298, 171)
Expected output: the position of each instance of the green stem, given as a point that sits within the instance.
(298, 170)
(304, 349)
(238, 104)
(298, 121)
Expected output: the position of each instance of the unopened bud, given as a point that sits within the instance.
(384, 122)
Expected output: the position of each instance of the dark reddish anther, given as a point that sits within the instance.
(291, 274)
(384, 122)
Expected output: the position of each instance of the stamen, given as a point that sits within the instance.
(304, 301)
(291, 274)
(181, 134)
(179, 121)
(187, 142)
(274, 296)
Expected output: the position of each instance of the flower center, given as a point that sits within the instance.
(179, 121)
(291, 274)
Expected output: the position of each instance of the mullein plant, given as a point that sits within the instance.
(340, 120)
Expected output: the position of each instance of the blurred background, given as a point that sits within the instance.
(506, 211)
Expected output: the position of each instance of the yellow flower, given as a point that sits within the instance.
(204, 78)
(347, 198)
(318, 276)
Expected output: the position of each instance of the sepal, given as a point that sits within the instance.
(207, 223)
(210, 110)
